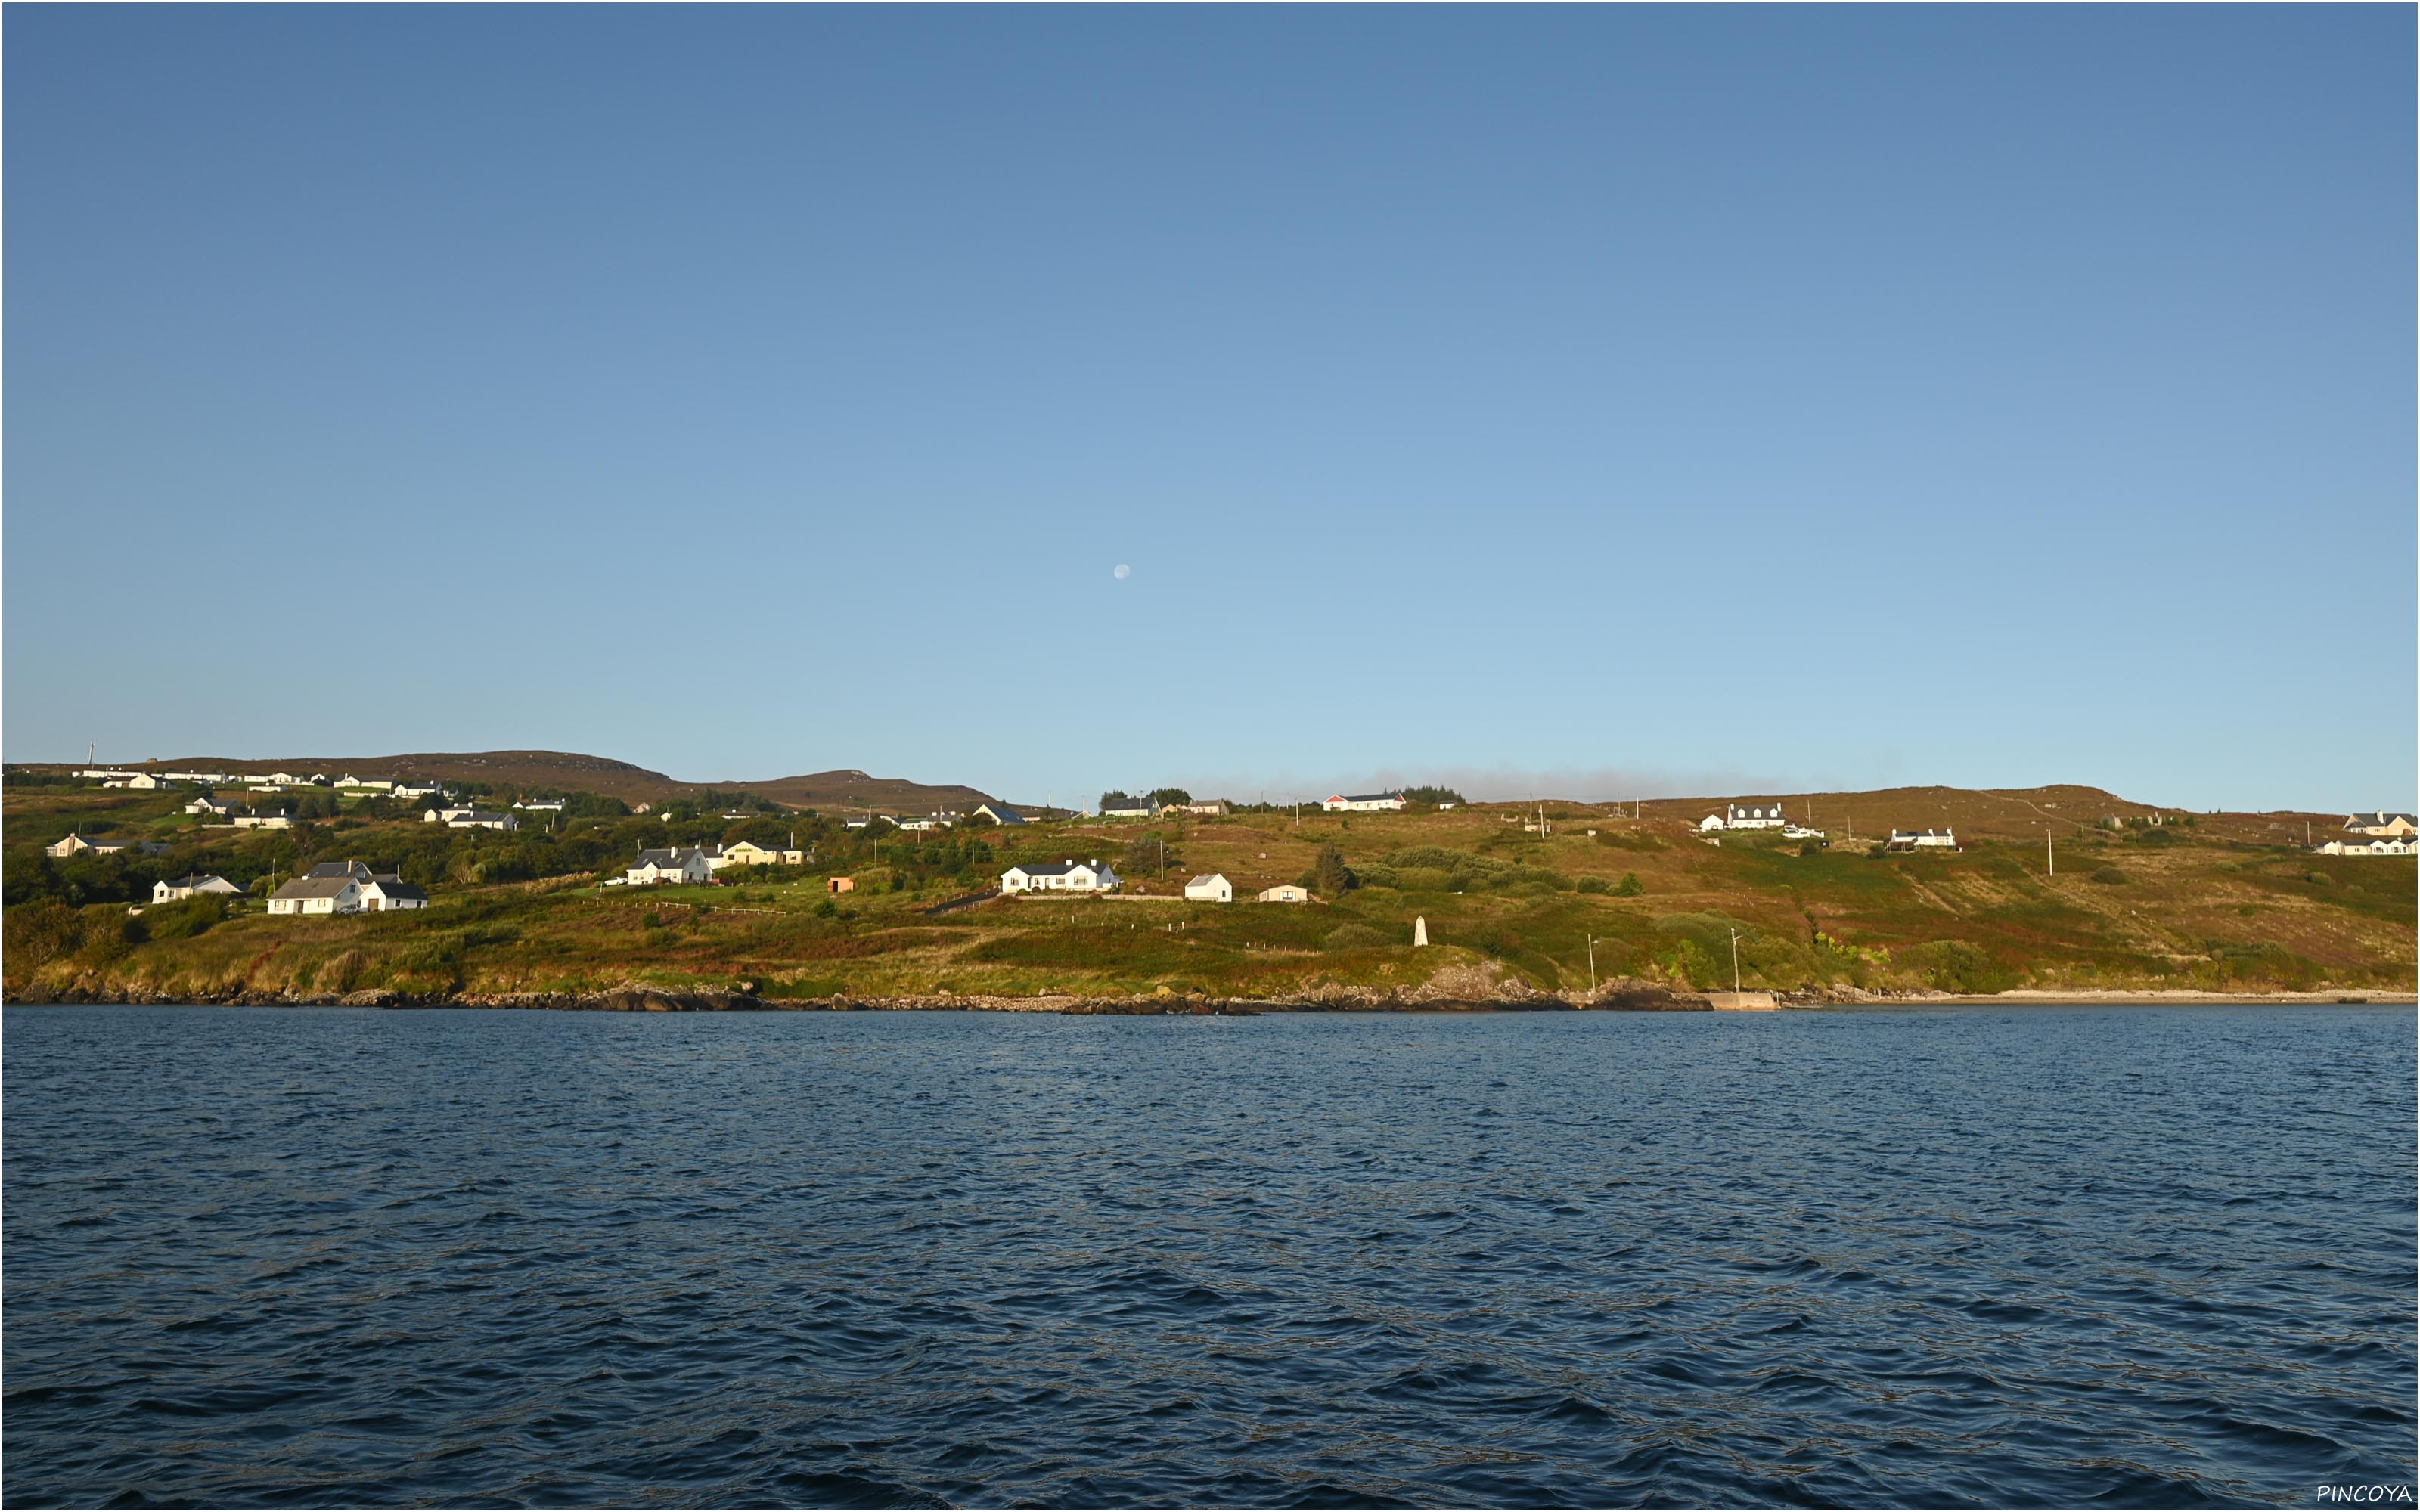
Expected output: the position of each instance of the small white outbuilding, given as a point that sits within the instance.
(1213, 888)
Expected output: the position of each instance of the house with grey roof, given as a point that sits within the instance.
(2380, 823)
(671, 864)
(340, 894)
(999, 813)
(385, 892)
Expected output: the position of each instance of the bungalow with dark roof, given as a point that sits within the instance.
(1361, 802)
(1922, 840)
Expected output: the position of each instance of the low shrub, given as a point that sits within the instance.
(2109, 876)
(1497, 941)
(1960, 966)
(183, 919)
(1358, 938)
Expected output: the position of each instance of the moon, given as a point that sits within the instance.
(1121, 572)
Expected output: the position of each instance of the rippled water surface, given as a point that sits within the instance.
(329, 1256)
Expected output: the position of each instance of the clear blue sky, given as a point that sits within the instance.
(1589, 400)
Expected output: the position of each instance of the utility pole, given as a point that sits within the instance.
(1591, 939)
(1163, 860)
(1735, 975)
(2050, 848)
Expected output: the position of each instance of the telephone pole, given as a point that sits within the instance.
(2050, 848)
(1735, 975)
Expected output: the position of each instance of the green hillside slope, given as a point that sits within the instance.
(2208, 903)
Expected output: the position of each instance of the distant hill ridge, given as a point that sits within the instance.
(550, 769)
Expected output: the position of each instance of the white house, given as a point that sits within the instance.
(1215, 808)
(200, 882)
(2370, 845)
(1126, 813)
(79, 845)
(674, 863)
(1361, 802)
(999, 813)
(442, 817)
(747, 852)
(1286, 893)
(922, 824)
(481, 818)
(204, 803)
(1067, 876)
(385, 893)
(337, 894)
(1755, 816)
(1800, 832)
(364, 784)
(541, 805)
(254, 819)
(419, 789)
(2380, 824)
(137, 780)
(1213, 888)
(1920, 840)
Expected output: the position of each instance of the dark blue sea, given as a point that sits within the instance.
(315, 1257)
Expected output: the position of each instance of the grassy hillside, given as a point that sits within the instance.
(2214, 902)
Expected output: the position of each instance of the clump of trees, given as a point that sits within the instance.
(1431, 796)
(1329, 875)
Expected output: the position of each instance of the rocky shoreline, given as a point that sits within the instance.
(1627, 996)
(640, 997)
